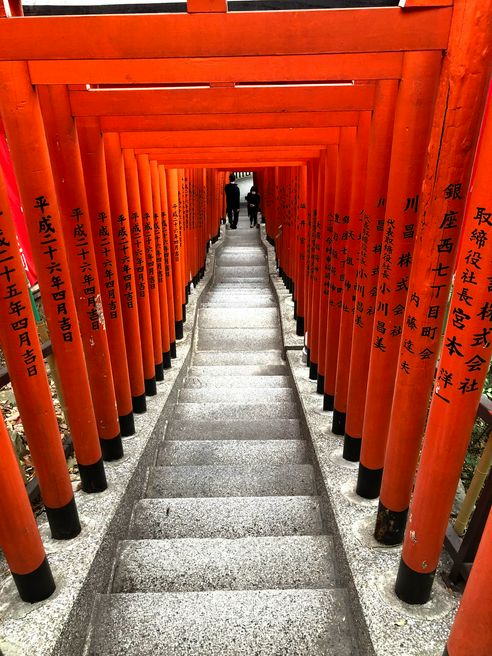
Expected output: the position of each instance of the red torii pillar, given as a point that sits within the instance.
(463, 365)
(23, 124)
(462, 88)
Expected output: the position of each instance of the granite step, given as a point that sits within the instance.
(241, 271)
(185, 565)
(221, 411)
(234, 429)
(225, 517)
(250, 358)
(238, 318)
(244, 395)
(238, 339)
(205, 382)
(215, 369)
(232, 452)
(225, 301)
(223, 622)
(238, 258)
(260, 480)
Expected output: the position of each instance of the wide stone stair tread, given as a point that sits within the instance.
(219, 412)
(241, 271)
(205, 382)
(251, 282)
(248, 395)
(225, 517)
(238, 339)
(252, 563)
(223, 623)
(250, 358)
(227, 259)
(249, 370)
(229, 452)
(230, 480)
(234, 429)
(243, 301)
(238, 318)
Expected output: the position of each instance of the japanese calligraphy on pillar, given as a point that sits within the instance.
(103, 242)
(48, 240)
(15, 305)
(468, 338)
(85, 265)
(126, 260)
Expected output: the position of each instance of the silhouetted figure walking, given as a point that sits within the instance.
(253, 200)
(232, 201)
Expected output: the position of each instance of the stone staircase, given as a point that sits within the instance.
(227, 554)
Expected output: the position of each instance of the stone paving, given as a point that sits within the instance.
(227, 552)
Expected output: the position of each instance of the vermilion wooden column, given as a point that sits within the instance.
(456, 121)
(368, 266)
(70, 189)
(160, 264)
(22, 351)
(175, 227)
(126, 274)
(317, 268)
(166, 241)
(92, 153)
(350, 242)
(141, 283)
(411, 135)
(463, 365)
(25, 133)
(145, 185)
(312, 202)
(300, 219)
(328, 200)
(19, 535)
(471, 634)
(340, 224)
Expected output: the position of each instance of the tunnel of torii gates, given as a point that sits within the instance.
(370, 138)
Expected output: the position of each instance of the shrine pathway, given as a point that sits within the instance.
(227, 553)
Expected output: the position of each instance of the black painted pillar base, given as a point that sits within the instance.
(338, 423)
(64, 522)
(166, 360)
(139, 404)
(159, 371)
(390, 525)
(308, 356)
(178, 326)
(172, 350)
(300, 326)
(183, 308)
(351, 448)
(320, 385)
(36, 586)
(127, 425)
(328, 400)
(290, 285)
(313, 371)
(369, 482)
(413, 587)
(150, 386)
(280, 272)
(93, 477)
(112, 449)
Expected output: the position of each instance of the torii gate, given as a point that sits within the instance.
(348, 140)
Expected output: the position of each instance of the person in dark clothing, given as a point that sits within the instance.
(253, 200)
(232, 201)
